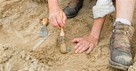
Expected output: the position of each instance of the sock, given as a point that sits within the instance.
(122, 20)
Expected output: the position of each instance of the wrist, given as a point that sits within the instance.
(54, 10)
(96, 36)
(93, 39)
(53, 5)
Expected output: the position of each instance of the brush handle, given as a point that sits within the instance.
(62, 32)
(44, 21)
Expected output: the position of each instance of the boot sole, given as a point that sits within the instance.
(71, 16)
(117, 65)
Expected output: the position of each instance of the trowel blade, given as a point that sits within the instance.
(43, 31)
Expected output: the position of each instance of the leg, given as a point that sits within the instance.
(125, 9)
(120, 48)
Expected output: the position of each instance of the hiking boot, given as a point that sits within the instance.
(120, 48)
(73, 8)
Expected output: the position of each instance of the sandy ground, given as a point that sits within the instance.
(19, 28)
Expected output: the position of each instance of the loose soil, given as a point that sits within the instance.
(19, 29)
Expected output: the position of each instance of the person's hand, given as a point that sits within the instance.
(57, 18)
(85, 44)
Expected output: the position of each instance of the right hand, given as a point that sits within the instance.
(57, 18)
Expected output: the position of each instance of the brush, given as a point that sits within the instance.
(63, 48)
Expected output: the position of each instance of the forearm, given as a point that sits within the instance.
(97, 27)
(53, 5)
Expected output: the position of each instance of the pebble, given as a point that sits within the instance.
(50, 63)
(23, 55)
(31, 69)
(28, 57)
(1, 46)
(26, 69)
(1, 68)
(20, 70)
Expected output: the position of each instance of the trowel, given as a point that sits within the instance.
(43, 33)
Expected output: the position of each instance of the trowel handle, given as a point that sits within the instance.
(62, 32)
(45, 21)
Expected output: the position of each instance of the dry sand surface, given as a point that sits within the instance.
(19, 28)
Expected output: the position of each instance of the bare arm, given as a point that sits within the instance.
(97, 27)
(53, 5)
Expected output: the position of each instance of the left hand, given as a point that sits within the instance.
(86, 44)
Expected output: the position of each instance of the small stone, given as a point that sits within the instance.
(31, 69)
(36, 62)
(7, 67)
(68, 49)
(50, 63)
(26, 69)
(47, 67)
(43, 69)
(28, 57)
(23, 55)
(33, 60)
(20, 70)
(1, 46)
(1, 68)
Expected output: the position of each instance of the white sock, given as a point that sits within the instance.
(122, 20)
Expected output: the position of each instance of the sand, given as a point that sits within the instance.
(19, 28)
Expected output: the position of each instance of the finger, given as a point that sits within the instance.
(76, 40)
(77, 45)
(55, 23)
(52, 23)
(61, 16)
(64, 18)
(60, 20)
(90, 49)
(84, 48)
(79, 48)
